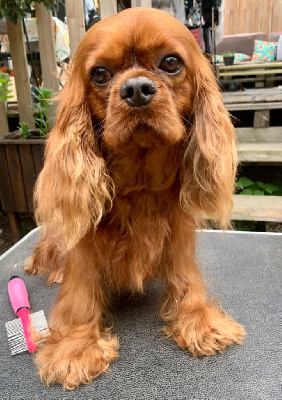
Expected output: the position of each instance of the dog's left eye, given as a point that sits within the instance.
(101, 76)
(171, 65)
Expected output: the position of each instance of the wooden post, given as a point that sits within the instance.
(262, 119)
(141, 3)
(76, 22)
(15, 224)
(18, 54)
(48, 60)
(45, 30)
(108, 8)
(4, 127)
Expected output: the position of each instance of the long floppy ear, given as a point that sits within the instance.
(73, 189)
(210, 159)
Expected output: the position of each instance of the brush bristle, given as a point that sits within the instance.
(15, 331)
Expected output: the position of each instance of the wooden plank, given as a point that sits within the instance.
(28, 173)
(253, 106)
(250, 72)
(16, 179)
(260, 79)
(258, 92)
(259, 135)
(47, 48)
(6, 193)
(247, 65)
(265, 95)
(76, 22)
(4, 127)
(260, 152)
(245, 16)
(257, 208)
(15, 225)
(23, 142)
(38, 158)
(141, 3)
(276, 20)
(261, 119)
(108, 8)
(48, 60)
(18, 54)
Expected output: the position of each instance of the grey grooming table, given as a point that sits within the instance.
(242, 269)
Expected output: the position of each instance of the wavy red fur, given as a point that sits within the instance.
(123, 189)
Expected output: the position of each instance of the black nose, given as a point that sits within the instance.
(138, 91)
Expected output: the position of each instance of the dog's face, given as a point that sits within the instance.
(138, 69)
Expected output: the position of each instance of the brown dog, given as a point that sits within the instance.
(142, 152)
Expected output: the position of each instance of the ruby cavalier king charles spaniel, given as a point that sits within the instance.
(142, 153)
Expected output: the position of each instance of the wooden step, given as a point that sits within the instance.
(257, 208)
(260, 152)
(259, 135)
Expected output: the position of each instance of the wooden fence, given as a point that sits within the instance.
(246, 16)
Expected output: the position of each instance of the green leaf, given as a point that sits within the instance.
(260, 184)
(259, 193)
(269, 188)
(253, 187)
(246, 191)
(245, 181)
(239, 185)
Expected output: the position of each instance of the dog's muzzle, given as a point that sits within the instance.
(138, 92)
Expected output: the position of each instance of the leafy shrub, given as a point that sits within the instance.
(245, 185)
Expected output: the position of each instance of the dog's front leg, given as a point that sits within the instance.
(194, 322)
(79, 347)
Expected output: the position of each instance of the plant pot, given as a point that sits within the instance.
(21, 161)
(228, 60)
(33, 133)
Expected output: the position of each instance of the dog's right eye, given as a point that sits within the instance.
(101, 76)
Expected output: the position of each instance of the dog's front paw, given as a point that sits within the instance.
(30, 265)
(205, 332)
(75, 360)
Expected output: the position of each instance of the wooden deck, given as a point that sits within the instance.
(260, 143)
(263, 74)
(254, 99)
(257, 208)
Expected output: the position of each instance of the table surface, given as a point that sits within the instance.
(243, 270)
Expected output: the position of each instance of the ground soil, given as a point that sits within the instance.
(6, 237)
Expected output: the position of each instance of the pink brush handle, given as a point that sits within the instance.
(23, 314)
(19, 300)
(18, 293)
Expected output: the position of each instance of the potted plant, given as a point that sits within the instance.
(21, 155)
(42, 103)
(228, 57)
(4, 96)
(21, 160)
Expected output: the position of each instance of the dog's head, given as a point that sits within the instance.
(138, 77)
(138, 69)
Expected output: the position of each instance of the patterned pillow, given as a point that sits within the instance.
(218, 59)
(238, 57)
(264, 51)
